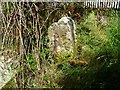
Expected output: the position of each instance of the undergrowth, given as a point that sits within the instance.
(94, 65)
(100, 47)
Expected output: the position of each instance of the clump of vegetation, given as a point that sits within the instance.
(99, 46)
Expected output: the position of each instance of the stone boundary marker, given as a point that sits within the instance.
(8, 69)
(62, 35)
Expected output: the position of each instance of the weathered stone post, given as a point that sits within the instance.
(62, 35)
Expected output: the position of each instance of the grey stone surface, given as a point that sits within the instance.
(62, 35)
(7, 69)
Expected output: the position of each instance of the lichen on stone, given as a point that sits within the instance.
(62, 35)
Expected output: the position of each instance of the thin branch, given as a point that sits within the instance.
(47, 18)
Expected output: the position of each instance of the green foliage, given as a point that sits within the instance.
(94, 76)
(9, 7)
(63, 57)
(103, 70)
(31, 61)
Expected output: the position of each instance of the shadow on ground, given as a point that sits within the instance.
(95, 76)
